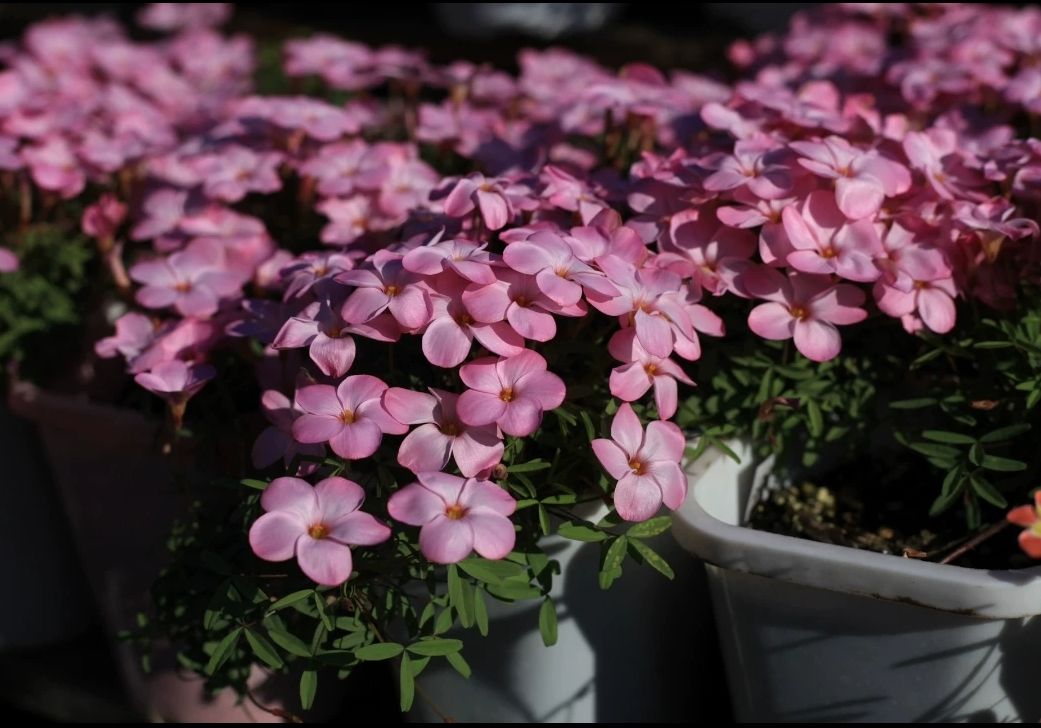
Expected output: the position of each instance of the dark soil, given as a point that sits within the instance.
(863, 508)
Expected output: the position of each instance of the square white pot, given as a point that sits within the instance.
(817, 632)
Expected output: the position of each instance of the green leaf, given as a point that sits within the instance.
(308, 688)
(435, 647)
(952, 438)
(918, 403)
(587, 422)
(289, 600)
(288, 642)
(444, 621)
(548, 622)
(513, 591)
(976, 454)
(582, 532)
(480, 612)
(529, 467)
(544, 524)
(491, 572)
(985, 490)
(816, 419)
(946, 500)
(378, 651)
(456, 660)
(319, 604)
(935, 451)
(457, 596)
(612, 567)
(651, 527)
(223, 650)
(1005, 433)
(407, 681)
(1004, 465)
(264, 649)
(255, 484)
(654, 559)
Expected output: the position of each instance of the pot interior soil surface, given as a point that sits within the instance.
(865, 507)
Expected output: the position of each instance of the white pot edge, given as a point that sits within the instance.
(706, 525)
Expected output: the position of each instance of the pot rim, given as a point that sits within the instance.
(987, 594)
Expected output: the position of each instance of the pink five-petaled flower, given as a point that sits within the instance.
(643, 370)
(193, 280)
(805, 307)
(512, 392)
(863, 179)
(441, 433)
(176, 381)
(1029, 517)
(456, 516)
(558, 273)
(350, 417)
(646, 465)
(320, 328)
(388, 286)
(316, 525)
(487, 195)
(277, 440)
(825, 241)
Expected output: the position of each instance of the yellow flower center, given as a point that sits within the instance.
(637, 466)
(454, 512)
(347, 417)
(318, 531)
(392, 290)
(506, 395)
(798, 312)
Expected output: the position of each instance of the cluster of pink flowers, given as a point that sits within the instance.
(850, 172)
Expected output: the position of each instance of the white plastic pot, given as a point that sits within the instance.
(643, 650)
(816, 632)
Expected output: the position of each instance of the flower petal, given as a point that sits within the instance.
(637, 498)
(415, 505)
(274, 535)
(357, 440)
(446, 541)
(493, 535)
(324, 561)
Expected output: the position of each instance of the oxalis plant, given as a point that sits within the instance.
(477, 309)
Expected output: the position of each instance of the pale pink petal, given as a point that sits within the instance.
(487, 304)
(319, 399)
(486, 496)
(355, 390)
(637, 498)
(499, 338)
(274, 535)
(409, 407)
(817, 340)
(364, 304)
(521, 417)
(449, 487)
(772, 321)
(666, 398)
(357, 440)
(629, 382)
(324, 561)
(527, 257)
(445, 343)
(494, 209)
(336, 498)
(291, 495)
(670, 479)
(446, 541)
(560, 289)
(626, 430)
(493, 535)
(411, 307)
(654, 333)
(858, 198)
(295, 332)
(415, 505)
(316, 428)
(477, 449)
(513, 368)
(425, 448)
(359, 529)
(936, 309)
(333, 356)
(459, 201)
(483, 375)
(531, 323)
(614, 460)
(545, 388)
(663, 441)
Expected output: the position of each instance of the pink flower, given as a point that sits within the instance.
(825, 241)
(316, 525)
(456, 516)
(448, 338)
(516, 298)
(755, 164)
(717, 253)
(935, 154)
(193, 281)
(806, 307)
(349, 417)
(465, 258)
(103, 218)
(441, 433)
(1029, 517)
(558, 273)
(510, 391)
(642, 371)
(917, 285)
(488, 195)
(863, 179)
(8, 261)
(176, 382)
(54, 167)
(236, 171)
(320, 328)
(387, 286)
(162, 212)
(277, 441)
(646, 465)
(135, 332)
